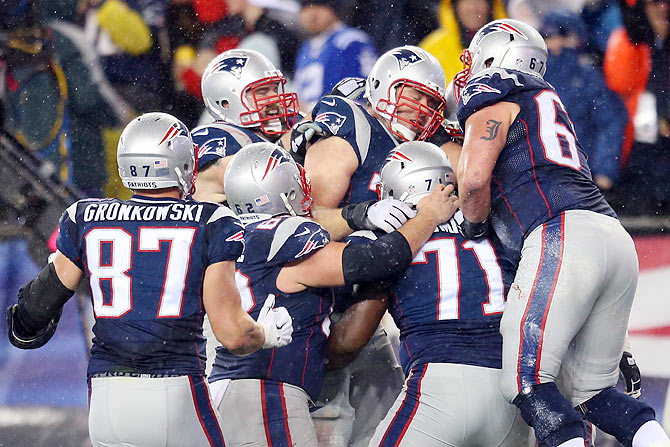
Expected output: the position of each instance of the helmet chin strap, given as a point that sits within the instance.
(288, 206)
(402, 129)
(184, 187)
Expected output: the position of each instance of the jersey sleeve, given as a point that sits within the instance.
(295, 238)
(68, 236)
(361, 237)
(225, 236)
(336, 116)
(492, 86)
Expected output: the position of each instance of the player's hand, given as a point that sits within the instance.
(301, 135)
(630, 374)
(23, 338)
(350, 88)
(277, 324)
(440, 204)
(387, 215)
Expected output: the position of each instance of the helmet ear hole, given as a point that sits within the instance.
(375, 84)
(488, 62)
(223, 103)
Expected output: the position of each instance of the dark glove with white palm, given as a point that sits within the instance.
(630, 374)
(277, 324)
(350, 88)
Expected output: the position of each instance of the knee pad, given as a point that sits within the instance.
(617, 413)
(550, 414)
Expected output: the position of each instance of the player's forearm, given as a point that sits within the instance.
(332, 221)
(418, 230)
(475, 201)
(242, 336)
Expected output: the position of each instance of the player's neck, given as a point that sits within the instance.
(209, 190)
(170, 193)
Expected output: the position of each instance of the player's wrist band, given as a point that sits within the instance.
(474, 230)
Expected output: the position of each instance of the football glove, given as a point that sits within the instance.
(387, 215)
(23, 338)
(301, 135)
(350, 88)
(277, 324)
(630, 375)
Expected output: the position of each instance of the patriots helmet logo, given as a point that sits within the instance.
(175, 130)
(276, 158)
(398, 156)
(234, 65)
(333, 121)
(407, 57)
(497, 27)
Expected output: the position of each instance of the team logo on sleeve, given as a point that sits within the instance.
(276, 158)
(317, 240)
(233, 65)
(475, 89)
(214, 146)
(333, 121)
(407, 57)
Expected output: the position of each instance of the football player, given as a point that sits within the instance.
(405, 91)
(290, 256)
(447, 304)
(523, 172)
(245, 94)
(155, 263)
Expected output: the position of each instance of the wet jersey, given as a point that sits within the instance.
(369, 138)
(269, 245)
(220, 139)
(542, 170)
(449, 301)
(146, 258)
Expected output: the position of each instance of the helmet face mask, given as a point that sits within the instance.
(406, 88)
(156, 151)
(412, 170)
(243, 87)
(504, 43)
(262, 180)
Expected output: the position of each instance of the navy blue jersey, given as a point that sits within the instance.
(146, 259)
(370, 139)
(449, 301)
(220, 139)
(269, 245)
(542, 170)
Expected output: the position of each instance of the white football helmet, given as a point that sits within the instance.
(412, 170)
(239, 86)
(156, 151)
(504, 43)
(263, 180)
(395, 71)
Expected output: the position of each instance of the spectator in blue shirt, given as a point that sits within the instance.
(598, 114)
(332, 52)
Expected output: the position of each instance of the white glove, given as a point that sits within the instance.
(389, 214)
(350, 88)
(277, 324)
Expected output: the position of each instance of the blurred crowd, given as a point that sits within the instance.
(75, 71)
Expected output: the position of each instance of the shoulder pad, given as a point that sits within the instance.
(492, 86)
(344, 118)
(221, 139)
(222, 211)
(294, 238)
